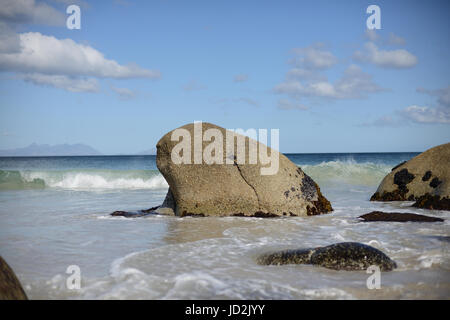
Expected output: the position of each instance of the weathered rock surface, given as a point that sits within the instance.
(424, 179)
(431, 202)
(341, 256)
(10, 287)
(235, 189)
(398, 217)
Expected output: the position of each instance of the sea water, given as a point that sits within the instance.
(54, 213)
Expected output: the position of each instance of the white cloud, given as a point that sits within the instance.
(30, 11)
(420, 114)
(371, 35)
(443, 95)
(68, 83)
(285, 104)
(393, 39)
(399, 58)
(124, 93)
(354, 84)
(49, 55)
(9, 40)
(314, 57)
(240, 78)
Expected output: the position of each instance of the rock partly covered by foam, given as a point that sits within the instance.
(398, 217)
(234, 188)
(341, 256)
(424, 179)
(134, 214)
(10, 287)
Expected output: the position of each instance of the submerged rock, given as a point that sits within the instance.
(397, 217)
(424, 179)
(341, 256)
(229, 186)
(10, 287)
(134, 214)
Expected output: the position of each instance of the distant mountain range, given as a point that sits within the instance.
(35, 149)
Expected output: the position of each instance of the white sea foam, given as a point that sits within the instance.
(94, 180)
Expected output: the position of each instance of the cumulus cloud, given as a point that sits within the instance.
(314, 57)
(49, 61)
(393, 39)
(354, 84)
(420, 114)
(398, 58)
(61, 63)
(49, 55)
(307, 79)
(439, 114)
(30, 11)
(371, 35)
(240, 78)
(9, 39)
(443, 95)
(68, 83)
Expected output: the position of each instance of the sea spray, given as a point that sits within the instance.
(82, 180)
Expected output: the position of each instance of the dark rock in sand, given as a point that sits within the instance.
(424, 179)
(397, 217)
(134, 214)
(10, 287)
(341, 256)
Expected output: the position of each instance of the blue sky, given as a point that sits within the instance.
(138, 69)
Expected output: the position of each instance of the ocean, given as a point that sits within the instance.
(54, 213)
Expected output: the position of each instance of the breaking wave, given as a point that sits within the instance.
(324, 173)
(82, 180)
(348, 171)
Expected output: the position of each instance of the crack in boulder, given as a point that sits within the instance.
(253, 188)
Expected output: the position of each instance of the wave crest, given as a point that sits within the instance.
(349, 171)
(82, 180)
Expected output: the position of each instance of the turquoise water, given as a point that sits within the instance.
(54, 212)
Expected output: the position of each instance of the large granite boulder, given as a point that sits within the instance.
(232, 187)
(425, 179)
(10, 287)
